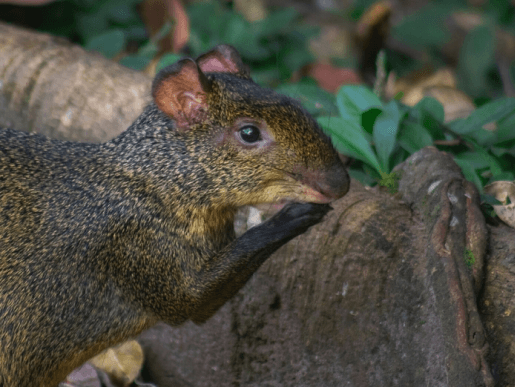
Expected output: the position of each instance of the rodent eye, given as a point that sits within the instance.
(250, 134)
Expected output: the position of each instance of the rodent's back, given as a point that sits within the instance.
(67, 211)
(51, 293)
(37, 177)
(23, 176)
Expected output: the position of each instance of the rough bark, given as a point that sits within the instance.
(50, 86)
(497, 304)
(377, 295)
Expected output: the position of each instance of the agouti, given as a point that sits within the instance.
(101, 241)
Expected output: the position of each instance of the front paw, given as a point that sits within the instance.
(297, 218)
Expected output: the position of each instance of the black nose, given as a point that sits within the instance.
(334, 181)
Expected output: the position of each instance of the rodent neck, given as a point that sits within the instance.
(163, 170)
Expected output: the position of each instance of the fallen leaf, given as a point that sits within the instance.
(334, 41)
(330, 78)
(252, 10)
(155, 13)
(375, 17)
(181, 28)
(414, 86)
(456, 104)
(440, 85)
(503, 190)
(84, 376)
(371, 34)
(122, 363)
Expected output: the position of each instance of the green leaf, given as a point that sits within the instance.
(266, 76)
(477, 56)
(492, 162)
(503, 176)
(91, 25)
(198, 42)
(136, 33)
(376, 175)
(149, 50)
(135, 62)
(294, 59)
(207, 17)
(386, 127)
(483, 137)
(350, 139)
(398, 156)
(353, 100)
(123, 13)
(237, 31)
(316, 100)
(253, 49)
(167, 60)
(276, 22)
(413, 137)
(473, 160)
(506, 128)
(429, 114)
(491, 112)
(431, 106)
(108, 44)
(490, 199)
(499, 151)
(362, 177)
(469, 172)
(425, 28)
(368, 119)
(481, 159)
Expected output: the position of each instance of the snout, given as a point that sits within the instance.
(326, 184)
(333, 182)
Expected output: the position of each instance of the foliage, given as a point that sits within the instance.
(469, 258)
(92, 22)
(317, 101)
(274, 47)
(380, 135)
(428, 31)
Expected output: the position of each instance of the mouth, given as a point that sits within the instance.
(301, 192)
(311, 195)
(286, 190)
(304, 193)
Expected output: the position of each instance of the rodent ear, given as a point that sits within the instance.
(180, 91)
(223, 59)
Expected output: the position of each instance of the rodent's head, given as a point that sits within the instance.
(257, 145)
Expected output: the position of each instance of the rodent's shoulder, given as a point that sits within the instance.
(20, 152)
(18, 149)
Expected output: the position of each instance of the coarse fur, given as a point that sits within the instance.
(101, 241)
